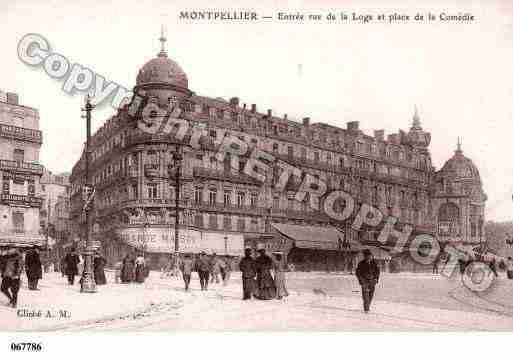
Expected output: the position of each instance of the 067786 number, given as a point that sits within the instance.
(26, 347)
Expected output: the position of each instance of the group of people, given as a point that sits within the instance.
(12, 264)
(257, 280)
(210, 269)
(70, 267)
(133, 268)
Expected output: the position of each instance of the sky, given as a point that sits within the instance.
(459, 75)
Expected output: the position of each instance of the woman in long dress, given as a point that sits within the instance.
(127, 269)
(279, 276)
(140, 269)
(266, 288)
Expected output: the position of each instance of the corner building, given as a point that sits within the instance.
(133, 173)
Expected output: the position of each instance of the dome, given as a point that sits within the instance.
(460, 167)
(162, 69)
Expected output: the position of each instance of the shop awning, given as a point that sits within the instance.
(327, 238)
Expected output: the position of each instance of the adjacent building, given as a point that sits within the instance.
(20, 173)
(134, 172)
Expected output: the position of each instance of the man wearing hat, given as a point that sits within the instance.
(203, 266)
(367, 273)
(248, 268)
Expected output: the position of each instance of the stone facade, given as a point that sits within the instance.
(20, 172)
(133, 171)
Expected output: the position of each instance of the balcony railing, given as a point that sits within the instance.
(21, 166)
(20, 133)
(21, 200)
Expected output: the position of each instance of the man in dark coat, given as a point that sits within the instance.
(186, 265)
(11, 267)
(248, 268)
(266, 289)
(367, 273)
(99, 269)
(33, 268)
(71, 261)
(203, 267)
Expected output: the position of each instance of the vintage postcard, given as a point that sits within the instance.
(216, 166)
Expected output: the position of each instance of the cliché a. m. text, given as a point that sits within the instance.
(39, 313)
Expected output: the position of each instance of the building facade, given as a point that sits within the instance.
(134, 172)
(20, 201)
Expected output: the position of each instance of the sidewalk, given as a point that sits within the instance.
(161, 304)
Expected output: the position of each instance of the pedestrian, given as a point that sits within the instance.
(186, 266)
(226, 271)
(99, 269)
(63, 266)
(279, 268)
(493, 267)
(247, 266)
(203, 267)
(117, 271)
(127, 269)
(215, 268)
(367, 273)
(509, 268)
(140, 269)
(436, 263)
(11, 270)
(71, 265)
(265, 282)
(33, 268)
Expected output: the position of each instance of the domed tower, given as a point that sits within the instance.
(459, 201)
(162, 79)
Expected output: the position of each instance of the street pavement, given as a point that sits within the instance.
(317, 301)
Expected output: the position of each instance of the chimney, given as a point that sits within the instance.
(269, 113)
(234, 101)
(379, 135)
(285, 117)
(353, 126)
(244, 106)
(12, 98)
(253, 108)
(306, 121)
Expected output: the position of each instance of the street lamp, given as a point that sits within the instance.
(88, 284)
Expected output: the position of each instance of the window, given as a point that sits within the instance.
(227, 198)
(152, 190)
(290, 203)
(276, 202)
(241, 196)
(212, 194)
(275, 147)
(316, 156)
(198, 195)
(18, 222)
(199, 157)
(253, 199)
(303, 153)
(212, 221)
(212, 133)
(198, 220)
(19, 155)
(241, 224)
(290, 151)
(227, 223)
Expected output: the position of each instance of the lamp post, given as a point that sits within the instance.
(88, 284)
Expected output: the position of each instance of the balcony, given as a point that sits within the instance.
(20, 133)
(8, 165)
(224, 175)
(151, 170)
(28, 201)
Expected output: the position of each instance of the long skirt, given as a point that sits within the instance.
(99, 276)
(140, 273)
(127, 273)
(281, 285)
(266, 289)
